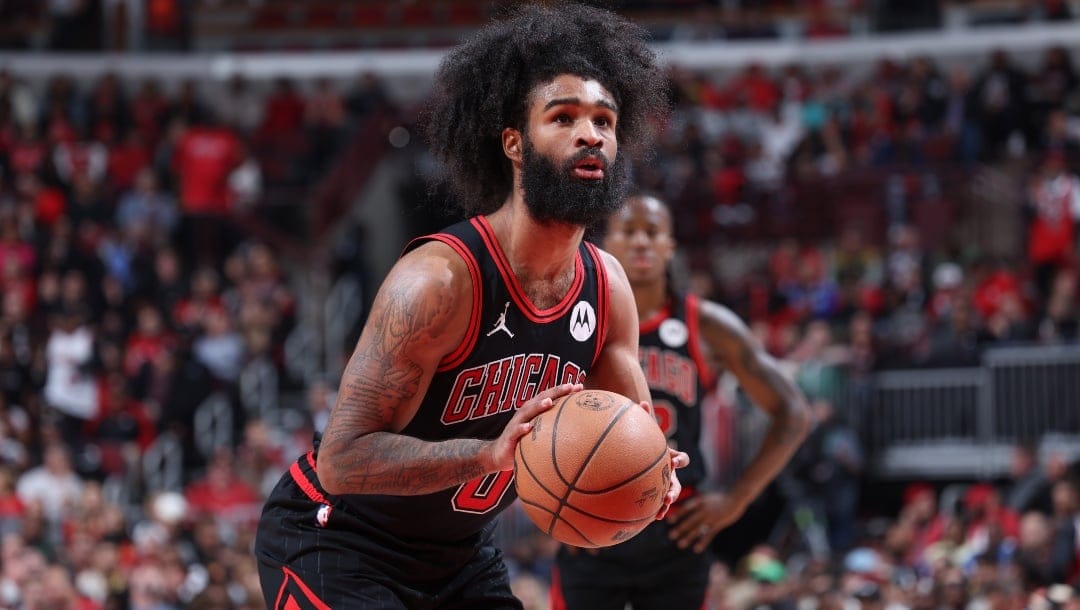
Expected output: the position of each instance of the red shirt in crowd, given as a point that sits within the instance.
(125, 161)
(205, 156)
(990, 292)
(1050, 235)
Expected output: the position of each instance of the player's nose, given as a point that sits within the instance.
(587, 135)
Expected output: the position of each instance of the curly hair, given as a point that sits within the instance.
(482, 87)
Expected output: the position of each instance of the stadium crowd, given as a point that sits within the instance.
(130, 296)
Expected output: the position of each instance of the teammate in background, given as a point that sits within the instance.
(683, 343)
(477, 329)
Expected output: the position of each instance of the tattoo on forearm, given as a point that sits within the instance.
(404, 465)
(380, 377)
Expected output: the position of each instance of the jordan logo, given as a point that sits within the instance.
(500, 324)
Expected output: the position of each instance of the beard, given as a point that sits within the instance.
(554, 195)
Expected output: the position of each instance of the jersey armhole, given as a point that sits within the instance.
(472, 331)
(693, 324)
(602, 301)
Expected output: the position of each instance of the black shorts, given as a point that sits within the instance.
(648, 571)
(314, 554)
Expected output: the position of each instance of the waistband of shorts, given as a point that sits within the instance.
(305, 475)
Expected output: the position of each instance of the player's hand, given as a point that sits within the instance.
(679, 459)
(502, 449)
(697, 520)
(574, 550)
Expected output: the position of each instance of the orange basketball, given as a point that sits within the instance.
(594, 469)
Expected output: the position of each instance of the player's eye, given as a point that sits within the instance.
(562, 117)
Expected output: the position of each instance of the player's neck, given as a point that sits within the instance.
(650, 298)
(536, 251)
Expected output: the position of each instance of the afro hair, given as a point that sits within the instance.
(482, 87)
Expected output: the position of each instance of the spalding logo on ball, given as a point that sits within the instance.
(594, 470)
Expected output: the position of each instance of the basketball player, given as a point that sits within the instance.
(477, 329)
(684, 342)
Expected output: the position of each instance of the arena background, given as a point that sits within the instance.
(199, 197)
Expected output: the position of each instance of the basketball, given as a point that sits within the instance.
(594, 470)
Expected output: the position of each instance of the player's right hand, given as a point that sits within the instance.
(501, 450)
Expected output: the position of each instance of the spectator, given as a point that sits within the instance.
(54, 485)
(1054, 200)
(149, 339)
(1000, 103)
(239, 106)
(367, 97)
(1029, 483)
(122, 431)
(222, 493)
(284, 109)
(831, 466)
(128, 157)
(146, 215)
(1065, 556)
(70, 388)
(204, 158)
(245, 182)
(192, 312)
(324, 117)
(219, 347)
(12, 507)
(1060, 322)
(149, 111)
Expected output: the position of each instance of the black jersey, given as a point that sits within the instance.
(511, 351)
(678, 377)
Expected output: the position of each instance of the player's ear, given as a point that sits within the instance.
(512, 144)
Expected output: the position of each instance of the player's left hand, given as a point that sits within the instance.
(679, 459)
(697, 520)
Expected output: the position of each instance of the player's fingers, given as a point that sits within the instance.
(673, 492)
(704, 538)
(687, 532)
(532, 408)
(679, 459)
(520, 430)
(663, 511)
(559, 391)
(691, 505)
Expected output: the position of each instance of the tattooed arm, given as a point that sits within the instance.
(730, 342)
(419, 315)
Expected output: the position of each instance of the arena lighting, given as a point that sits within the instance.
(420, 63)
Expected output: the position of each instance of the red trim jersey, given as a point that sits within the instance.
(511, 351)
(678, 378)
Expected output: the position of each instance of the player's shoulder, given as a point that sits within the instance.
(611, 264)
(432, 267)
(714, 316)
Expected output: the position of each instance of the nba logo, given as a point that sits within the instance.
(323, 515)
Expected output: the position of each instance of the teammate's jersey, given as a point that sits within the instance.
(678, 377)
(511, 351)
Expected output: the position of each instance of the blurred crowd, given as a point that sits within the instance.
(974, 546)
(139, 312)
(142, 328)
(858, 182)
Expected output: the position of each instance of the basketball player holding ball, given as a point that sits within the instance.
(684, 341)
(477, 329)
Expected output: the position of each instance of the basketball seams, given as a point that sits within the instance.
(570, 485)
(628, 480)
(558, 513)
(596, 445)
